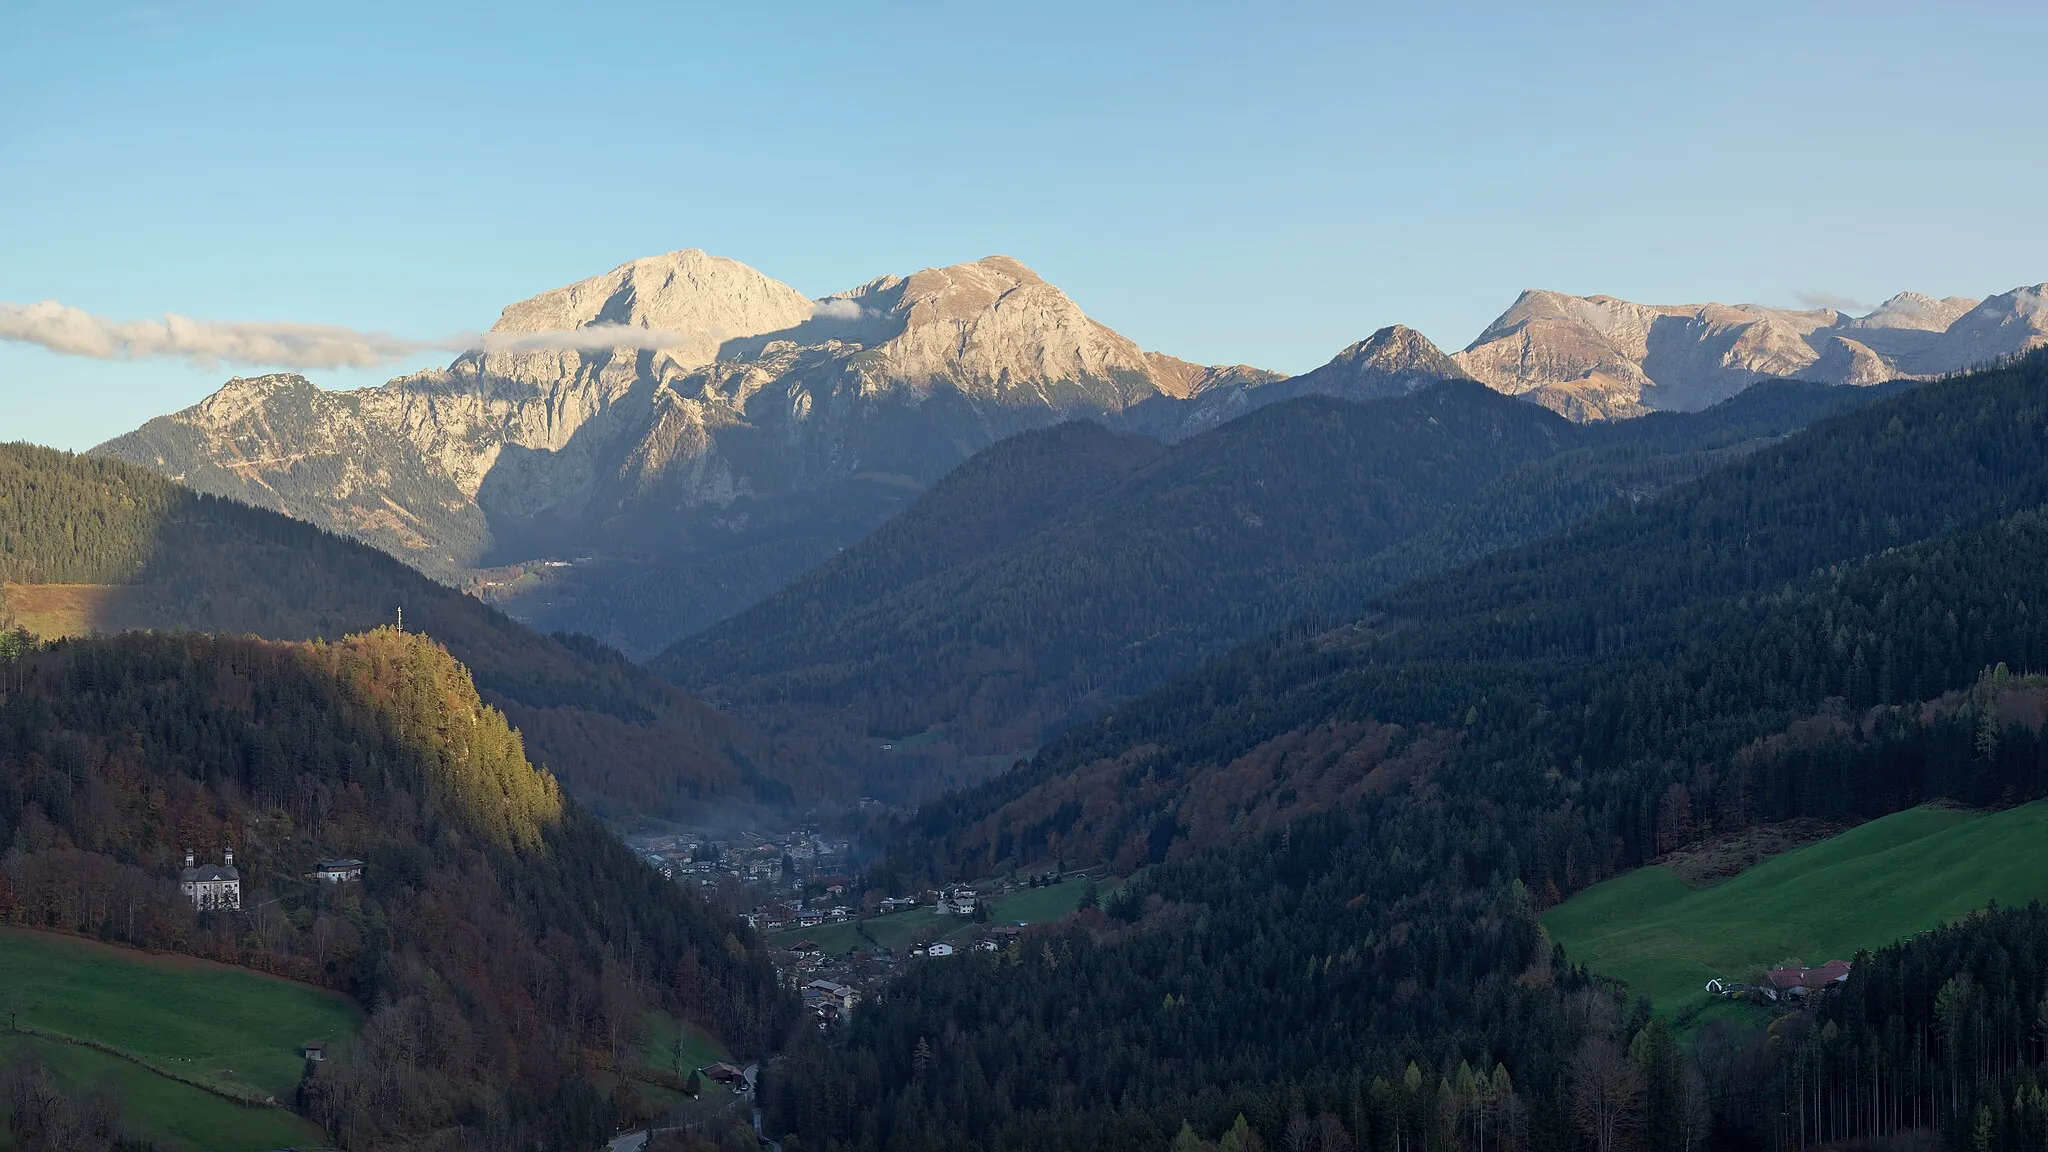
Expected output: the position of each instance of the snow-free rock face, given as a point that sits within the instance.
(734, 414)
(280, 442)
(1597, 357)
(692, 433)
(1393, 361)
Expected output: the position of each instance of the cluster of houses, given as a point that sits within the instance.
(1785, 984)
(782, 917)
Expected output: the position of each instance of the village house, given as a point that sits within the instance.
(213, 886)
(339, 871)
(724, 1074)
(824, 993)
(1793, 983)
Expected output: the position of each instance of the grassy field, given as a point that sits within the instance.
(699, 1047)
(1871, 885)
(165, 1110)
(1040, 905)
(55, 610)
(223, 1025)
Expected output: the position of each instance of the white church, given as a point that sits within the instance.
(213, 886)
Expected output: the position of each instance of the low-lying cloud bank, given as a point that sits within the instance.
(70, 331)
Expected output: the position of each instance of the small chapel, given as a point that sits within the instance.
(212, 886)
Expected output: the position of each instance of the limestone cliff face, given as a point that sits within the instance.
(280, 442)
(677, 406)
(540, 398)
(693, 432)
(1597, 357)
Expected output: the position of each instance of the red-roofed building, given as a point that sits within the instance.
(1800, 981)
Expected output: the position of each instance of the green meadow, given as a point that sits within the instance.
(699, 1048)
(231, 1027)
(164, 1110)
(1876, 883)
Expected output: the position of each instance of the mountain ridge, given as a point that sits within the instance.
(683, 434)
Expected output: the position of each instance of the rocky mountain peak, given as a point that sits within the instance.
(706, 299)
(995, 328)
(1393, 361)
(1915, 311)
(2003, 325)
(243, 395)
(1399, 348)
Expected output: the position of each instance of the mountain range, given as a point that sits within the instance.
(1063, 570)
(640, 495)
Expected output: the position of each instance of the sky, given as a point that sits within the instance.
(1231, 183)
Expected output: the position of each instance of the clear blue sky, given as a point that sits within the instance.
(1254, 182)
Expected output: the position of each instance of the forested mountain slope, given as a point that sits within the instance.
(1345, 834)
(146, 553)
(506, 946)
(1692, 616)
(1061, 571)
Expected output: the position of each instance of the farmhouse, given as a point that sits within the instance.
(339, 871)
(213, 886)
(723, 1073)
(1796, 982)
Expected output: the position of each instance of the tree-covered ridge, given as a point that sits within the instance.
(1061, 571)
(507, 946)
(619, 737)
(471, 758)
(1676, 626)
(76, 520)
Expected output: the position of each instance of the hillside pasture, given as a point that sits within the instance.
(54, 611)
(160, 1109)
(230, 1027)
(1878, 882)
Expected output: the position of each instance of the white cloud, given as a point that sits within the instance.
(835, 308)
(1839, 303)
(75, 332)
(596, 338)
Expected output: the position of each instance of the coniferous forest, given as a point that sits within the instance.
(1340, 837)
